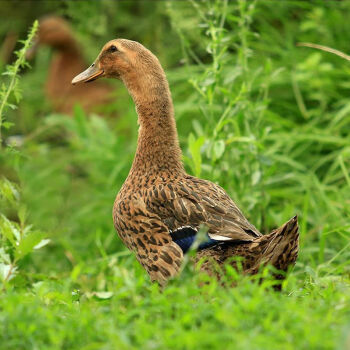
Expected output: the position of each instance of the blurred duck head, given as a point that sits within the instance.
(54, 32)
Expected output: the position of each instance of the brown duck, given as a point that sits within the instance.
(160, 208)
(67, 61)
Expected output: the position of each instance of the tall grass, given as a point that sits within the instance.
(275, 163)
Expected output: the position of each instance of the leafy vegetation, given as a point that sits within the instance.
(17, 238)
(267, 120)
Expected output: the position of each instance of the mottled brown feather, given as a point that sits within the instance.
(158, 197)
(279, 248)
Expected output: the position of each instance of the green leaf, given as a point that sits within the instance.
(7, 125)
(103, 295)
(195, 151)
(9, 230)
(8, 191)
(42, 243)
(218, 148)
(7, 272)
(22, 214)
(256, 177)
(12, 106)
(4, 257)
(28, 244)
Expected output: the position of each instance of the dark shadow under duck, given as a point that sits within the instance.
(160, 208)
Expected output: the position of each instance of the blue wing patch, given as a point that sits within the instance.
(186, 235)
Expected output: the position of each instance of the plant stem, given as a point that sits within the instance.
(8, 276)
(13, 71)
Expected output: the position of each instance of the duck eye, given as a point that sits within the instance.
(113, 48)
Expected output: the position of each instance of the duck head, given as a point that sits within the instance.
(122, 59)
(54, 31)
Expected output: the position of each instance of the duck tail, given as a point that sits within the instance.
(279, 248)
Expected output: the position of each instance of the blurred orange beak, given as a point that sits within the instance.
(90, 74)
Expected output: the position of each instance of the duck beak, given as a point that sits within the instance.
(92, 73)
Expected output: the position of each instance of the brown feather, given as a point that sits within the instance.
(279, 249)
(158, 197)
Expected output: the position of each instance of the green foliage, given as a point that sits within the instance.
(12, 71)
(139, 315)
(18, 239)
(263, 118)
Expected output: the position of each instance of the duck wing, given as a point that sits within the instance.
(193, 202)
(147, 220)
(144, 233)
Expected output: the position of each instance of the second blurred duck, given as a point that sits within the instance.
(67, 62)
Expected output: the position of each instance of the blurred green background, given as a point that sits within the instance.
(267, 120)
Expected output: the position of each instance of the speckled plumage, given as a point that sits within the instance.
(279, 248)
(158, 197)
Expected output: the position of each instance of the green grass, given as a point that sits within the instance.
(265, 119)
(182, 317)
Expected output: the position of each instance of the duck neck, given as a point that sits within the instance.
(158, 152)
(69, 52)
(67, 62)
